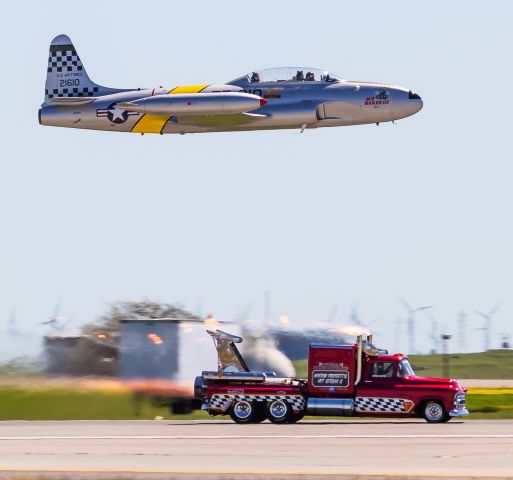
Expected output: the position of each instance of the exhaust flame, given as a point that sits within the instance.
(210, 322)
(155, 339)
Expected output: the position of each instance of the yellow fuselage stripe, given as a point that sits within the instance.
(189, 89)
(150, 123)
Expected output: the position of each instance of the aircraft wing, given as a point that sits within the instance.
(226, 121)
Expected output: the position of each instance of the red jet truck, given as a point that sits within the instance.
(344, 380)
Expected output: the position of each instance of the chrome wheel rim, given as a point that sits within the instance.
(278, 409)
(434, 411)
(242, 409)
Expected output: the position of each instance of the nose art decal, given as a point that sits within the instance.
(381, 97)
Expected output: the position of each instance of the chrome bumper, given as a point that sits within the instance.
(458, 412)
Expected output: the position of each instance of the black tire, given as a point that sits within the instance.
(433, 411)
(242, 411)
(295, 417)
(260, 414)
(181, 408)
(279, 411)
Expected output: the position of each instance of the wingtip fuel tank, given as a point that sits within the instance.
(222, 103)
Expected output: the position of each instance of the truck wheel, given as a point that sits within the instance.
(295, 417)
(260, 414)
(242, 411)
(279, 411)
(181, 408)
(434, 412)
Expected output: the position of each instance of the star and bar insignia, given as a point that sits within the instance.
(115, 114)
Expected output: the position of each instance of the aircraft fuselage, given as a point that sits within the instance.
(269, 99)
(298, 106)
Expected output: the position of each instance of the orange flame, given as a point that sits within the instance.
(155, 339)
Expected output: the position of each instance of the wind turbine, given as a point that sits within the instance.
(12, 331)
(462, 328)
(354, 317)
(398, 333)
(267, 307)
(56, 321)
(411, 321)
(487, 327)
(435, 337)
(242, 317)
(332, 315)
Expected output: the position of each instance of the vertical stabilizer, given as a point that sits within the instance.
(66, 75)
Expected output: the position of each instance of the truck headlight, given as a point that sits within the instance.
(459, 400)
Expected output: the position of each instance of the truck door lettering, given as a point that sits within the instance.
(328, 378)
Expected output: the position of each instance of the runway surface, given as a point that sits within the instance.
(221, 449)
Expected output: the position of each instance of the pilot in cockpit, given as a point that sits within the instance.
(299, 76)
(310, 77)
(255, 77)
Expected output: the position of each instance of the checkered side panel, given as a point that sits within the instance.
(72, 92)
(223, 401)
(378, 404)
(64, 61)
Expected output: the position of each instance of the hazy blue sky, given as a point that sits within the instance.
(335, 216)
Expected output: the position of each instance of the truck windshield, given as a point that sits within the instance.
(405, 369)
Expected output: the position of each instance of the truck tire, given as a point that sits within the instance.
(181, 408)
(434, 412)
(279, 411)
(242, 411)
(260, 414)
(295, 417)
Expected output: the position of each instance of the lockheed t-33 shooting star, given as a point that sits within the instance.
(278, 98)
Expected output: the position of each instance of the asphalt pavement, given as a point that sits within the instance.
(222, 449)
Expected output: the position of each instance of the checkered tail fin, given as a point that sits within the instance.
(66, 75)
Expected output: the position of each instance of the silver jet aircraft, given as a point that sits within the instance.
(278, 98)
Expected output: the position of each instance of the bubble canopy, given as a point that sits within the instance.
(288, 74)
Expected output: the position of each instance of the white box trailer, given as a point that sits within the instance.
(160, 358)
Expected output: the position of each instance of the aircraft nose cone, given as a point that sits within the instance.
(407, 103)
(415, 102)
